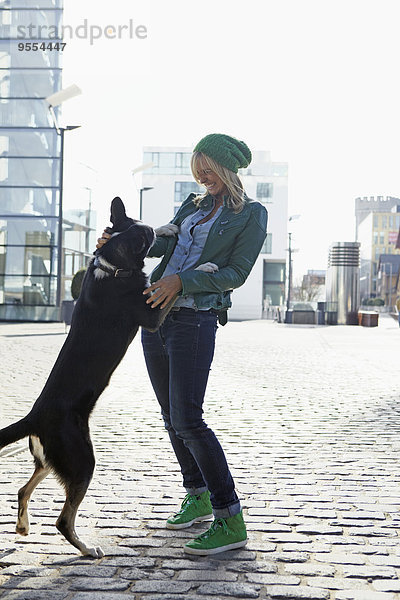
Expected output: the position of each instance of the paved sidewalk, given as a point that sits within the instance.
(309, 418)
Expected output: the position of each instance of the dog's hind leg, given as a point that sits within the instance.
(24, 494)
(66, 521)
(76, 484)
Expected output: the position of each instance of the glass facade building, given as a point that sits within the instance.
(32, 232)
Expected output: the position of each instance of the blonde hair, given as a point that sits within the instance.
(236, 193)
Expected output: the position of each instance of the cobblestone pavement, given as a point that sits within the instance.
(309, 419)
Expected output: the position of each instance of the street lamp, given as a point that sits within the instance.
(143, 189)
(60, 97)
(53, 101)
(88, 219)
(290, 275)
(143, 167)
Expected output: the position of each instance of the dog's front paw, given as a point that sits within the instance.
(168, 229)
(208, 267)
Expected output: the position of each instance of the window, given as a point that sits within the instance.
(382, 237)
(23, 81)
(391, 221)
(168, 163)
(30, 172)
(183, 189)
(376, 220)
(28, 261)
(34, 142)
(274, 293)
(274, 274)
(384, 221)
(23, 60)
(151, 157)
(264, 190)
(29, 201)
(267, 246)
(375, 238)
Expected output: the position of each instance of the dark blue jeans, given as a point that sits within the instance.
(178, 358)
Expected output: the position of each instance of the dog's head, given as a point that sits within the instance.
(130, 241)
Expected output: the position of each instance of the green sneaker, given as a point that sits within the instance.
(224, 534)
(193, 509)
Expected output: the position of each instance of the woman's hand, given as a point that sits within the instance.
(103, 239)
(168, 229)
(207, 267)
(165, 290)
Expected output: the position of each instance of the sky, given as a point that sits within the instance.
(315, 82)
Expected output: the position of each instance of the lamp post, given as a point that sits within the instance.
(88, 219)
(290, 269)
(143, 189)
(289, 278)
(143, 167)
(53, 101)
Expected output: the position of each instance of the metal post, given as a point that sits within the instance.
(143, 189)
(59, 294)
(60, 222)
(289, 277)
(87, 220)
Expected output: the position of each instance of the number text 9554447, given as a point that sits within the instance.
(41, 46)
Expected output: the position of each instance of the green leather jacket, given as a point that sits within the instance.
(233, 243)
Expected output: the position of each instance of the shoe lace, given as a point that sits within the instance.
(214, 526)
(189, 499)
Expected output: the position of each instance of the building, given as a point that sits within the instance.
(377, 233)
(388, 279)
(170, 182)
(34, 262)
(364, 205)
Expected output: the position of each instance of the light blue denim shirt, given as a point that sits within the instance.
(189, 247)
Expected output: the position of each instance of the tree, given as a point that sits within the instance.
(76, 283)
(307, 290)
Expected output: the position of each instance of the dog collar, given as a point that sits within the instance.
(114, 271)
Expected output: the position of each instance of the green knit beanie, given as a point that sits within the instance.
(225, 150)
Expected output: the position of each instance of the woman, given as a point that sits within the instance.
(208, 249)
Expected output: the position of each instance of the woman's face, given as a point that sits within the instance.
(212, 182)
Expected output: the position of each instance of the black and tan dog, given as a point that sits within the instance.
(110, 309)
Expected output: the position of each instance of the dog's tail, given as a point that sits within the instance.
(14, 432)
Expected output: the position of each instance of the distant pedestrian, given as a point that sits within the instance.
(398, 309)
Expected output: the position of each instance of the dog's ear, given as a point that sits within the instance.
(117, 210)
